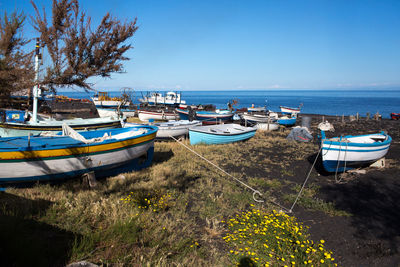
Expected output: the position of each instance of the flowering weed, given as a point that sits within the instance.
(151, 200)
(273, 239)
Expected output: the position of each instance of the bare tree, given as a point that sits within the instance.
(78, 53)
(15, 64)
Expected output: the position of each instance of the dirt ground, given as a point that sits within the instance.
(370, 236)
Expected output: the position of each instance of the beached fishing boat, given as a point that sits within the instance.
(287, 121)
(220, 134)
(395, 116)
(103, 100)
(107, 112)
(170, 98)
(167, 130)
(206, 117)
(255, 117)
(256, 109)
(348, 152)
(15, 124)
(288, 110)
(106, 152)
(159, 115)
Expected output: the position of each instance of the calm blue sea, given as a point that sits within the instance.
(328, 102)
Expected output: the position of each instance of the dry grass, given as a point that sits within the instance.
(188, 231)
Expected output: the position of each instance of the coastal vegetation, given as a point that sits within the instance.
(76, 49)
(179, 211)
(183, 211)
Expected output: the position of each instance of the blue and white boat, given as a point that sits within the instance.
(171, 129)
(220, 134)
(287, 121)
(170, 98)
(289, 110)
(344, 153)
(14, 124)
(106, 152)
(206, 117)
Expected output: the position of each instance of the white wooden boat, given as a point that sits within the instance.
(15, 124)
(289, 110)
(172, 128)
(106, 152)
(107, 112)
(256, 109)
(170, 98)
(254, 117)
(220, 134)
(103, 100)
(160, 115)
(265, 126)
(207, 117)
(344, 153)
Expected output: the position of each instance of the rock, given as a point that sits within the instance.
(82, 264)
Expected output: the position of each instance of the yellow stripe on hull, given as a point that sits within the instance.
(65, 152)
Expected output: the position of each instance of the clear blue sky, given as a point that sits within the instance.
(221, 45)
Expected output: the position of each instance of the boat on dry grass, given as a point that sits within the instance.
(220, 134)
(206, 117)
(105, 152)
(158, 115)
(175, 129)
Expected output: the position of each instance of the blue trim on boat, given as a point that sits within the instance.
(331, 165)
(348, 149)
(213, 139)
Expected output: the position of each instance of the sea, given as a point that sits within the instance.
(325, 102)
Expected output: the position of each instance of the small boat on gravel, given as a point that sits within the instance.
(256, 117)
(288, 110)
(287, 121)
(106, 112)
(169, 129)
(207, 117)
(69, 154)
(220, 134)
(256, 109)
(159, 115)
(103, 100)
(348, 152)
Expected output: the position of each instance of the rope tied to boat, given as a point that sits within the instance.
(338, 161)
(305, 181)
(255, 191)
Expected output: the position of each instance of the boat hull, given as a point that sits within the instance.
(206, 117)
(155, 115)
(74, 158)
(342, 155)
(287, 122)
(109, 104)
(210, 135)
(256, 118)
(288, 110)
(23, 129)
(107, 112)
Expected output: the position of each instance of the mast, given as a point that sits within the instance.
(36, 87)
